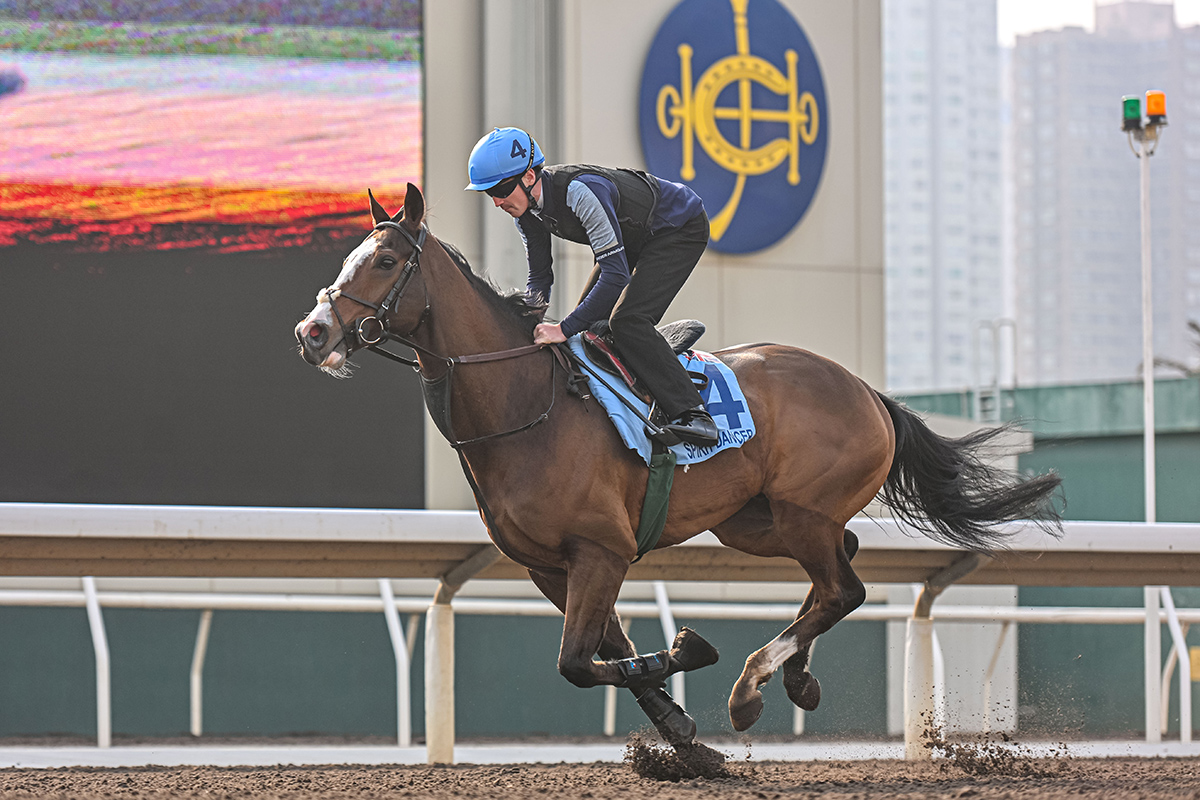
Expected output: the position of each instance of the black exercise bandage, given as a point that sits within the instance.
(644, 668)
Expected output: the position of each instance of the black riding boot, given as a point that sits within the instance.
(695, 426)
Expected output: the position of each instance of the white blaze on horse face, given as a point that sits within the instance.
(322, 314)
(356, 259)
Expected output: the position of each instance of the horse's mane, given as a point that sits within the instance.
(513, 304)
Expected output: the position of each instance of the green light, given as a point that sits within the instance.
(1132, 106)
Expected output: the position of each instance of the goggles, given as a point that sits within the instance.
(505, 187)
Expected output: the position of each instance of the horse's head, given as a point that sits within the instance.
(379, 291)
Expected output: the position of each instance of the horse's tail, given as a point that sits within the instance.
(942, 487)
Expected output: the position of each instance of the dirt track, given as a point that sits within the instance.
(1044, 778)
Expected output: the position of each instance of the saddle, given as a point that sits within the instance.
(602, 350)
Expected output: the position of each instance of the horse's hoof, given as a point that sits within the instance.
(690, 651)
(803, 690)
(745, 706)
(674, 724)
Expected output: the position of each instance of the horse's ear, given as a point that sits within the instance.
(414, 205)
(377, 212)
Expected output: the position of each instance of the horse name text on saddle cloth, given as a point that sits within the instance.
(722, 398)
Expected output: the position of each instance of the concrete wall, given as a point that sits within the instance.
(570, 72)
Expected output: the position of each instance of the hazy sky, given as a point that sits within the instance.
(1027, 16)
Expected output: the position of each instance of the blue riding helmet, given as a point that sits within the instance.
(501, 154)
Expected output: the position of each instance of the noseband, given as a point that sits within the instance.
(372, 330)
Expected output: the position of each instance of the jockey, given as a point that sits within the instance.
(646, 235)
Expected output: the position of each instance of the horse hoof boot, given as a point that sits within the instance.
(745, 706)
(674, 724)
(690, 651)
(803, 690)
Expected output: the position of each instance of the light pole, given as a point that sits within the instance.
(1146, 135)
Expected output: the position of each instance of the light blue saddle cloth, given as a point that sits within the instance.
(722, 397)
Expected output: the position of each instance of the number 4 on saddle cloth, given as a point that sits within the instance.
(719, 390)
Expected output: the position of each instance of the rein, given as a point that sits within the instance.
(373, 330)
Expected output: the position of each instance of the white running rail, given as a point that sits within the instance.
(662, 609)
(161, 541)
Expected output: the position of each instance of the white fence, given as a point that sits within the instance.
(452, 548)
(403, 642)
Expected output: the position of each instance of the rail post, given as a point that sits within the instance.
(196, 677)
(918, 688)
(400, 654)
(100, 648)
(439, 656)
(439, 684)
(1152, 642)
(669, 629)
(921, 717)
(1180, 651)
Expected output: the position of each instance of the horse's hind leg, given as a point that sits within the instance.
(817, 542)
(802, 686)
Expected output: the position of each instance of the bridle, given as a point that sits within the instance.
(371, 331)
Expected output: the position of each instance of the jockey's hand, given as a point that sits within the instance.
(548, 334)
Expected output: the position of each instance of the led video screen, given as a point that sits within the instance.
(228, 125)
(178, 178)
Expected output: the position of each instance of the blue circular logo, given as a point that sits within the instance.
(733, 105)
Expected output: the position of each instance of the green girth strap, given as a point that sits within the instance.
(654, 507)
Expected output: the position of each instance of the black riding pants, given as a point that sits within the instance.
(657, 275)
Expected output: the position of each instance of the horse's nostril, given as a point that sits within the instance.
(315, 331)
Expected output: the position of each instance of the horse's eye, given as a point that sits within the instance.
(387, 263)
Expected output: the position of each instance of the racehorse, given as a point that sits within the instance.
(561, 494)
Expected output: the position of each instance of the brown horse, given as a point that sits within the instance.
(562, 495)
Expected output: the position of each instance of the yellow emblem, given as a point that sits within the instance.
(694, 110)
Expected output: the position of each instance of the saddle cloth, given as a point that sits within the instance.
(722, 397)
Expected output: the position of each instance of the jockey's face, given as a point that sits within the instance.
(516, 202)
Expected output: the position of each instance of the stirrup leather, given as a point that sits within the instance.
(598, 342)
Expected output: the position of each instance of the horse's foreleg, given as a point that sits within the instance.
(615, 644)
(817, 542)
(802, 686)
(594, 577)
(688, 651)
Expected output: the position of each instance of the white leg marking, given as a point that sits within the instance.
(779, 650)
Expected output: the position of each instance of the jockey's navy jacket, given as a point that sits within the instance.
(593, 216)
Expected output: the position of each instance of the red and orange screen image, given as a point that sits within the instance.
(184, 125)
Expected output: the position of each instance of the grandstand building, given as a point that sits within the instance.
(1076, 195)
(942, 187)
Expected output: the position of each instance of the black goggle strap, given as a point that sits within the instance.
(528, 190)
